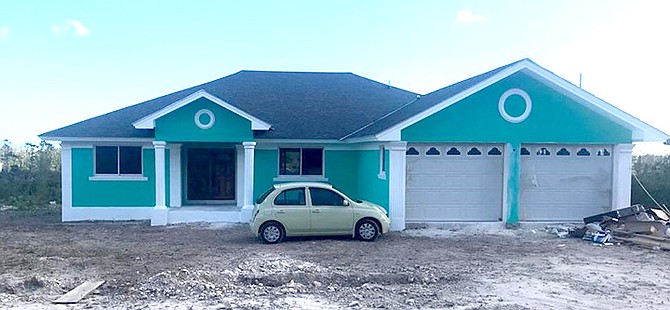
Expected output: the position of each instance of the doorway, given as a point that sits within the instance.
(210, 175)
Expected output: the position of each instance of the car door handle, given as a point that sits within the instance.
(316, 211)
(281, 211)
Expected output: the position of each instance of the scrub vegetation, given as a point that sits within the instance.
(654, 173)
(29, 176)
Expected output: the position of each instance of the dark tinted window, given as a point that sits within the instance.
(106, 160)
(453, 151)
(312, 161)
(289, 161)
(291, 197)
(494, 151)
(474, 151)
(130, 159)
(324, 197)
(524, 151)
(412, 151)
(264, 195)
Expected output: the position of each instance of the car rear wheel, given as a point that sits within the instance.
(271, 232)
(367, 230)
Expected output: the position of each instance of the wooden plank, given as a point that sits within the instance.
(75, 295)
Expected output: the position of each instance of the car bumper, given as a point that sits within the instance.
(386, 225)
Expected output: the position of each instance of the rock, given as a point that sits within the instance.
(354, 304)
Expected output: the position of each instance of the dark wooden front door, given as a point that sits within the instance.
(211, 174)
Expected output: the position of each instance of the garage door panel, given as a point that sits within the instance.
(564, 188)
(453, 187)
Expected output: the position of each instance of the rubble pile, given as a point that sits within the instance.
(644, 226)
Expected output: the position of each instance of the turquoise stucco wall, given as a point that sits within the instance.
(342, 171)
(86, 193)
(180, 125)
(266, 167)
(370, 186)
(554, 118)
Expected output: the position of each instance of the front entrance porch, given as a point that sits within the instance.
(213, 184)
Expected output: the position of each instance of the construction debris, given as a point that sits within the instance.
(75, 295)
(647, 227)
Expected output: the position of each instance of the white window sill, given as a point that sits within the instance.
(382, 175)
(118, 178)
(300, 178)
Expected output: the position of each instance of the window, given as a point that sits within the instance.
(382, 163)
(324, 197)
(563, 152)
(296, 161)
(412, 151)
(453, 151)
(494, 151)
(432, 151)
(603, 152)
(543, 152)
(474, 151)
(524, 151)
(291, 197)
(265, 195)
(118, 160)
(583, 152)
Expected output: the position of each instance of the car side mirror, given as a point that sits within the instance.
(345, 203)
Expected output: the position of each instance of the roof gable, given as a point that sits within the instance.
(149, 121)
(443, 98)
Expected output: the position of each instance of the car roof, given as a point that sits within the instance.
(302, 184)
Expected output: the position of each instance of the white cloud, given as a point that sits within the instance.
(4, 32)
(466, 17)
(70, 27)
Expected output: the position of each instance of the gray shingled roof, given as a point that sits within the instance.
(298, 105)
(424, 103)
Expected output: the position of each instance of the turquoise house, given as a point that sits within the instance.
(512, 145)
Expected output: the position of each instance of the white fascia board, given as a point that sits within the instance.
(96, 139)
(149, 121)
(641, 130)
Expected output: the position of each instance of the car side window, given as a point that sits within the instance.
(324, 197)
(291, 197)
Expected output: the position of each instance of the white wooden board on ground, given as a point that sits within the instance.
(78, 292)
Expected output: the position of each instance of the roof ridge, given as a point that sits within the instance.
(297, 72)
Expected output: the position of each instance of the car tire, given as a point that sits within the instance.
(271, 233)
(367, 230)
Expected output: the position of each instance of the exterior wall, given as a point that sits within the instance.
(370, 186)
(553, 118)
(180, 125)
(266, 167)
(342, 171)
(105, 193)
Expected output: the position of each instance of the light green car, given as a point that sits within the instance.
(315, 209)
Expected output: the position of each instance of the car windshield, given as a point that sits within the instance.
(354, 199)
(265, 195)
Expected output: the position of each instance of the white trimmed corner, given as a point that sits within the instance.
(622, 161)
(396, 179)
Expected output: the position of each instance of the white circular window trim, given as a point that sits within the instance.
(526, 112)
(198, 123)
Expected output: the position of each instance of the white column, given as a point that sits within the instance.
(396, 178)
(622, 160)
(239, 175)
(66, 181)
(159, 214)
(249, 147)
(175, 175)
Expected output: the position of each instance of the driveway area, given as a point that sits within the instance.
(223, 267)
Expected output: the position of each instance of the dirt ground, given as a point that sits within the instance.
(223, 267)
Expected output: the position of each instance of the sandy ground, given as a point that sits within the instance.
(223, 267)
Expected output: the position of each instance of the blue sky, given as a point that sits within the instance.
(65, 61)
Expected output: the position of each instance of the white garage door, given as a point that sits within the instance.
(454, 183)
(564, 182)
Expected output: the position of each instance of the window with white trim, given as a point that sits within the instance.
(300, 161)
(382, 162)
(118, 160)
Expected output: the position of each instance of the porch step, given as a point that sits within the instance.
(204, 214)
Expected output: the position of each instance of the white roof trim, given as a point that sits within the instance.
(95, 139)
(641, 130)
(149, 121)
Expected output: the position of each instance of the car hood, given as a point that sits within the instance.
(367, 204)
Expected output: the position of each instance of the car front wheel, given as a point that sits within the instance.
(367, 230)
(271, 232)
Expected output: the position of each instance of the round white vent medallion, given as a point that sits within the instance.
(204, 119)
(526, 99)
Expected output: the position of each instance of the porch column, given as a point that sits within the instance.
(248, 196)
(159, 213)
(622, 161)
(66, 181)
(175, 175)
(396, 179)
(511, 172)
(239, 175)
